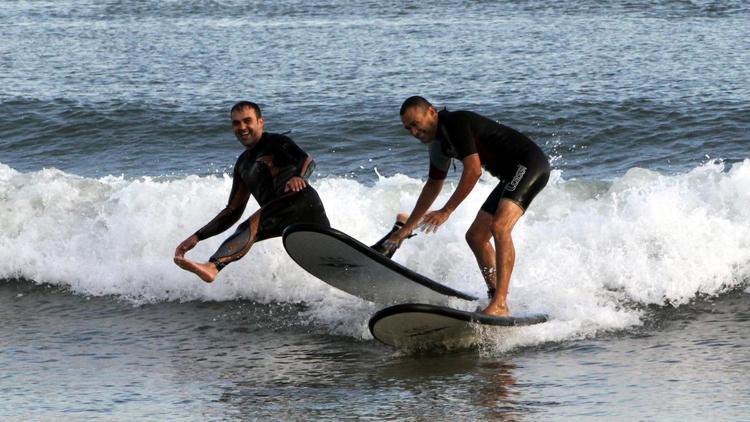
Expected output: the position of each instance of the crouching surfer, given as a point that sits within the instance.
(275, 171)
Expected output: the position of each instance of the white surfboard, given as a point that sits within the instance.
(426, 326)
(353, 267)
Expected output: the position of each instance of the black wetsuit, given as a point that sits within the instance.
(263, 172)
(521, 166)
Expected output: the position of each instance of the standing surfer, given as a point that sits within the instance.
(521, 166)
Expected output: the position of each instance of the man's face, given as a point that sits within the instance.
(247, 126)
(421, 122)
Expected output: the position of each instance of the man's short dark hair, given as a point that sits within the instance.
(414, 101)
(246, 104)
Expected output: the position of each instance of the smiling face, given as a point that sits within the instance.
(421, 122)
(247, 126)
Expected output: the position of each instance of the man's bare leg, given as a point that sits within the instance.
(478, 237)
(508, 213)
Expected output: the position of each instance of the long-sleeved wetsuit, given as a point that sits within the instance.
(263, 172)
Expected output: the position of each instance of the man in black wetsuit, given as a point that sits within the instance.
(275, 171)
(521, 166)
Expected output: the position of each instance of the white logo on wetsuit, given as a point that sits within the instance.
(516, 179)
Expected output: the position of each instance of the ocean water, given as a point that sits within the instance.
(115, 145)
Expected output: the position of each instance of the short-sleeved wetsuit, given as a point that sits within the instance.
(263, 171)
(521, 166)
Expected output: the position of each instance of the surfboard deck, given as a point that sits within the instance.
(353, 267)
(425, 326)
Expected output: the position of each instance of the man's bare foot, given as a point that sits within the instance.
(205, 270)
(496, 310)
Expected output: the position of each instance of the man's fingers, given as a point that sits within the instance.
(295, 185)
(429, 227)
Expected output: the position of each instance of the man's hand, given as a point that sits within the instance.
(295, 184)
(185, 246)
(432, 220)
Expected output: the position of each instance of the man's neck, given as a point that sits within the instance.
(254, 144)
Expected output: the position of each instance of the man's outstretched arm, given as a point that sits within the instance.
(427, 197)
(224, 219)
(469, 177)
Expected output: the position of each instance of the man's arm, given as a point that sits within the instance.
(469, 177)
(299, 182)
(430, 192)
(288, 152)
(230, 214)
(225, 219)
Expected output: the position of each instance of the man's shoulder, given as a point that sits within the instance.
(244, 155)
(458, 117)
(275, 137)
(463, 115)
(463, 119)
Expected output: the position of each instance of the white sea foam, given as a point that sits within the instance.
(590, 254)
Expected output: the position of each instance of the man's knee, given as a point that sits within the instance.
(502, 227)
(505, 219)
(476, 238)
